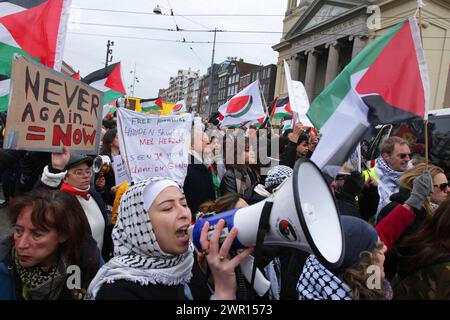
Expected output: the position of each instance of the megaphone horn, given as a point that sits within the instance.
(301, 214)
(102, 163)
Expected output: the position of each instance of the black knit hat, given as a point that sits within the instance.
(76, 159)
(359, 236)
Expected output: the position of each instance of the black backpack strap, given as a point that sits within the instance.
(263, 229)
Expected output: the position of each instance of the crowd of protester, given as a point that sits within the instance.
(132, 241)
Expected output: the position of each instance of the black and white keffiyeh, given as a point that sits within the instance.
(137, 254)
(318, 283)
(277, 175)
(388, 181)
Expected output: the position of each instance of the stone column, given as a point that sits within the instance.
(332, 63)
(295, 67)
(359, 43)
(311, 67)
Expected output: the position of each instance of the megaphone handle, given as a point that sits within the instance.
(263, 229)
(261, 284)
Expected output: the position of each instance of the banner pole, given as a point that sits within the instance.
(265, 107)
(425, 122)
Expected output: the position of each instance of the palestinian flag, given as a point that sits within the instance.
(148, 105)
(109, 110)
(5, 83)
(282, 110)
(34, 29)
(286, 125)
(387, 82)
(107, 80)
(76, 76)
(259, 123)
(245, 106)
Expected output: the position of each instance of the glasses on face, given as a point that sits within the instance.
(443, 186)
(81, 172)
(404, 155)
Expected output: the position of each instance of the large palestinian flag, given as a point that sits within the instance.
(245, 106)
(33, 28)
(107, 80)
(387, 82)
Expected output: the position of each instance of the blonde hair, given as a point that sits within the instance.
(356, 277)
(407, 179)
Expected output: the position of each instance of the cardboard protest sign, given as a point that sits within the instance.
(154, 145)
(48, 110)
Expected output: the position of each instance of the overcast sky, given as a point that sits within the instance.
(156, 61)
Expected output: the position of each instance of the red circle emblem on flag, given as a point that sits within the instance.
(239, 106)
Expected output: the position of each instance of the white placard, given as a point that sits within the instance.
(120, 170)
(154, 146)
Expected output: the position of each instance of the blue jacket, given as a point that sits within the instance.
(7, 285)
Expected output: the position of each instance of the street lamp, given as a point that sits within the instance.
(157, 10)
(135, 80)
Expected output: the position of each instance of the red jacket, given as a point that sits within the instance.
(394, 224)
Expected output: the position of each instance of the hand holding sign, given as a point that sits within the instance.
(60, 160)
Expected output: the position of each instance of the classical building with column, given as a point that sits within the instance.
(321, 37)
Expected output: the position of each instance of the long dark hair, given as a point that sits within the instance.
(107, 141)
(55, 209)
(430, 244)
(224, 203)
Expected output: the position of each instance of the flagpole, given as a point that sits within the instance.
(265, 106)
(425, 122)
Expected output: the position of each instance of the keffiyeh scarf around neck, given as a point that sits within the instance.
(318, 283)
(137, 255)
(388, 182)
(38, 284)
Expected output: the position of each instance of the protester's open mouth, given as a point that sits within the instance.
(182, 233)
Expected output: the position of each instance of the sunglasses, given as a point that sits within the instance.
(404, 155)
(442, 186)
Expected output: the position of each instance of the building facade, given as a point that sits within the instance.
(267, 78)
(178, 85)
(323, 36)
(229, 77)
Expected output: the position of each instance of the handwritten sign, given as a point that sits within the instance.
(154, 145)
(120, 171)
(48, 110)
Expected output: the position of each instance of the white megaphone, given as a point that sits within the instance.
(303, 215)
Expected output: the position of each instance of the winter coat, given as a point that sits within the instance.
(198, 186)
(230, 178)
(127, 290)
(391, 262)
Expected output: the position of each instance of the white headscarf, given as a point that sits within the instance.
(137, 255)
